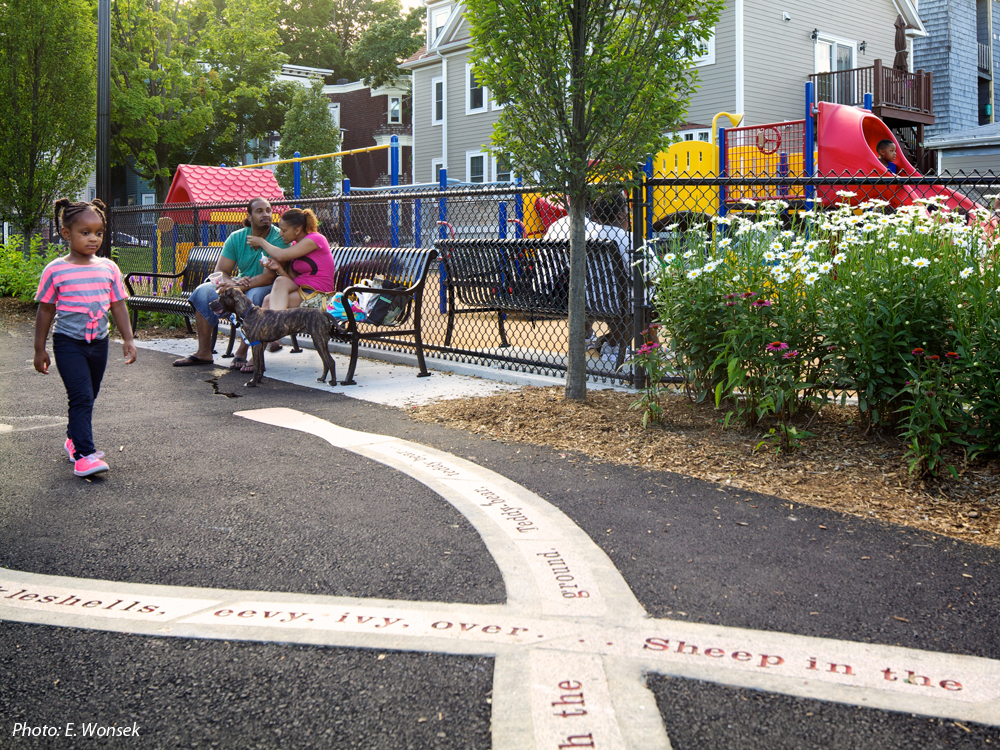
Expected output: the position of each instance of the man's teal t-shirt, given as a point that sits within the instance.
(246, 258)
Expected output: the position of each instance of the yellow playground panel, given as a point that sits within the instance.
(686, 159)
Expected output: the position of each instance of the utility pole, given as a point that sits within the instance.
(104, 111)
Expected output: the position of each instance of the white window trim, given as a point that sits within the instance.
(469, 156)
(839, 41)
(434, 82)
(399, 109)
(468, 94)
(432, 12)
(708, 58)
(494, 171)
(435, 163)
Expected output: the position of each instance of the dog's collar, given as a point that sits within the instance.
(239, 330)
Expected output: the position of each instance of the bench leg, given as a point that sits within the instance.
(187, 322)
(451, 316)
(353, 364)
(503, 330)
(419, 339)
(133, 318)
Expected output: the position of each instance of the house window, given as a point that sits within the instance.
(836, 56)
(475, 101)
(148, 199)
(439, 19)
(395, 110)
(93, 193)
(501, 169)
(703, 50)
(437, 101)
(436, 166)
(475, 167)
(334, 109)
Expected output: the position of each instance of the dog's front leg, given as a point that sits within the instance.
(258, 365)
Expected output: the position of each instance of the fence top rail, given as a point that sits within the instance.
(988, 179)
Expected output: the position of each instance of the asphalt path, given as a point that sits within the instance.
(198, 497)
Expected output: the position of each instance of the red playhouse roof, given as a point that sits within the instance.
(194, 183)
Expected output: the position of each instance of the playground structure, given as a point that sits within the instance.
(833, 140)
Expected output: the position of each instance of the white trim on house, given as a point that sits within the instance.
(386, 140)
(708, 56)
(469, 157)
(435, 163)
(840, 41)
(739, 57)
(469, 109)
(435, 82)
(398, 119)
(495, 170)
(444, 122)
(449, 28)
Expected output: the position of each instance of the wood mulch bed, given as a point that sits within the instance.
(840, 468)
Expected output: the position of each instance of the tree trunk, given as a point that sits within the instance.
(576, 363)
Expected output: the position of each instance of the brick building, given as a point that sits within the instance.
(370, 117)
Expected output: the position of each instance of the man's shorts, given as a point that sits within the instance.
(206, 294)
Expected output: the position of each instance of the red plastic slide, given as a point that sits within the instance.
(846, 138)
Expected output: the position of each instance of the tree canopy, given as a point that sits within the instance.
(589, 88)
(377, 53)
(48, 54)
(309, 129)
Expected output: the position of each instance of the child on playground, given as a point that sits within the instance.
(78, 290)
(886, 151)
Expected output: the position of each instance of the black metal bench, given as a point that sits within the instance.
(404, 267)
(201, 262)
(530, 277)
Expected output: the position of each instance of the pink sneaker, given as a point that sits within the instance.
(91, 464)
(70, 449)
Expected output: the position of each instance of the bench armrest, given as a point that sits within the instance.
(128, 276)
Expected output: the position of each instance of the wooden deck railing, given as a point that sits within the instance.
(896, 89)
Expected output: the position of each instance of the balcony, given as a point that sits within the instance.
(896, 94)
(985, 59)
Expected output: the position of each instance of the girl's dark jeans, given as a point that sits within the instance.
(81, 367)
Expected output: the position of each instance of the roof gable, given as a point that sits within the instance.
(194, 183)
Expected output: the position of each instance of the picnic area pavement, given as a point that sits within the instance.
(297, 566)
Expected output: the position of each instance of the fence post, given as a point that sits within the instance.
(502, 205)
(878, 95)
(638, 282)
(809, 156)
(416, 222)
(297, 176)
(442, 234)
(347, 215)
(394, 182)
(519, 213)
(648, 201)
(723, 168)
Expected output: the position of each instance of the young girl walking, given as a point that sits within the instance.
(78, 290)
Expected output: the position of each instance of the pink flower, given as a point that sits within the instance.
(776, 346)
(730, 304)
(790, 355)
(952, 355)
(747, 295)
(761, 303)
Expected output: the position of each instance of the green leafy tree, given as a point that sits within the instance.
(162, 92)
(377, 53)
(310, 130)
(308, 35)
(48, 54)
(590, 87)
(240, 46)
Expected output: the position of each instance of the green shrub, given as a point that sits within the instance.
(20, 270)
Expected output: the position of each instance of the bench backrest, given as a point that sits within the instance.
(200, 263)
(404, 266)
(524, 274)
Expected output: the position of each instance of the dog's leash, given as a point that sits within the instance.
(239, 330)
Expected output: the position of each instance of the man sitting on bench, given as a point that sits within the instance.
(252, 279)
(608, 219)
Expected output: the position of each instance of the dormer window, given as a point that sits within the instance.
(438, 20)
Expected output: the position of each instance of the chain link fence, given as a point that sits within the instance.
(497, 295)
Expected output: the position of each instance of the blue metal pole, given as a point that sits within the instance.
(443, 234)
(347, 214)
(503, 220)
(297, 176)
(809, 157)
(416, 222)
(519, 213)
(723, 170)
(868, 102)
(394, 181)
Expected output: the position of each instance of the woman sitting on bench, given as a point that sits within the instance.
(305, 268)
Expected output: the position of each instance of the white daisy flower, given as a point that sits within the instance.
(690, 253)
(923, 230)
(769, 256)
(845, 194)
(694, 273)
(825, 267)
(776, 246)
(725, 242)
(839, 258)
(967, 272)
(781, 278)
(893, 245)
(669, 258)
(906, 260)
(920, 263)
(812, 278)
(788, 233)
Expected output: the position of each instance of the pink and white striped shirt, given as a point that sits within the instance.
(82, 296)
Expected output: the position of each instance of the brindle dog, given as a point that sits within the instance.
(261, 326)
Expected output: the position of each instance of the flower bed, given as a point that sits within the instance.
(774, 315)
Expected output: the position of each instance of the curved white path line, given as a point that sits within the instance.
(570, 661)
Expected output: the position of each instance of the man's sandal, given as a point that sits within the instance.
(191, 361)
(237, 364)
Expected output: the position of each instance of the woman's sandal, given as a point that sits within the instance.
(237, 364)
(247, 367)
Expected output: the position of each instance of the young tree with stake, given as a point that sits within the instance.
(589, 88)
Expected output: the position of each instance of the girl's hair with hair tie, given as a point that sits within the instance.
(67, 211)
(296, 217)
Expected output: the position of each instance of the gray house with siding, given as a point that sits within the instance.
(760, 56)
